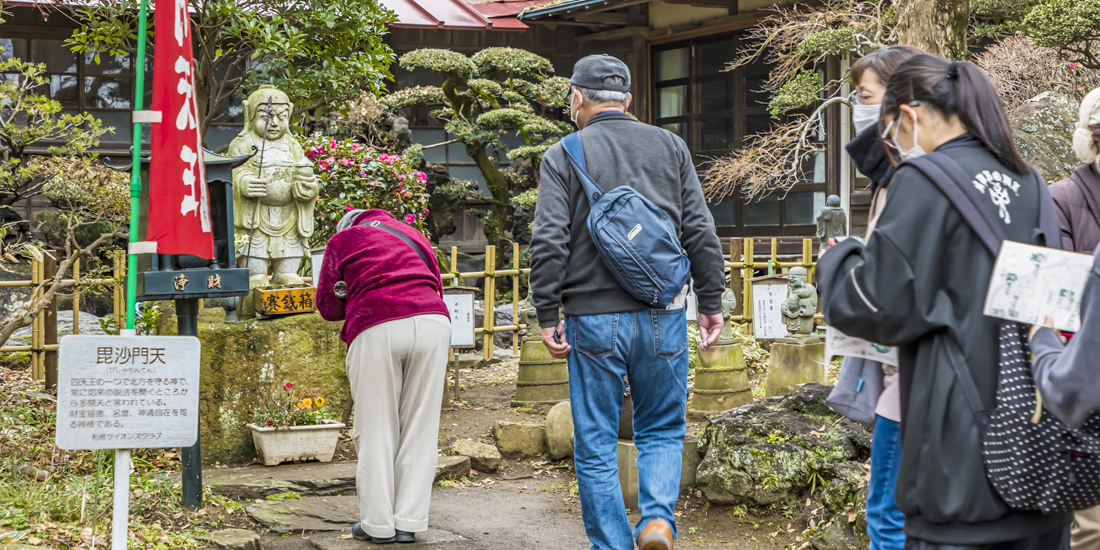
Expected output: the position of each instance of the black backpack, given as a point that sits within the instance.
(1034, 460)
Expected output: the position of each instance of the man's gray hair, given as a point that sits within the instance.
(605, 96)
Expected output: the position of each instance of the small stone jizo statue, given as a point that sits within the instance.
(729, 303)
(832, 222)
(800, 306)
(530, 318)
(273, 193)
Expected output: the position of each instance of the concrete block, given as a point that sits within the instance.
(627, 454)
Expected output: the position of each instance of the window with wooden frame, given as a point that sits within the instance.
(714, 110)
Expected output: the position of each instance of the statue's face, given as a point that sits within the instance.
(798, 280)
(273, 123)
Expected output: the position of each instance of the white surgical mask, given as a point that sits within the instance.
(865, 116)
(914, 151)
(573, 112)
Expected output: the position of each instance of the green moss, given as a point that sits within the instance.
(242, 361)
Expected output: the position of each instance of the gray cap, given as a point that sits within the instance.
(591, 71)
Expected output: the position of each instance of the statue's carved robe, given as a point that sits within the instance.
(279, 225)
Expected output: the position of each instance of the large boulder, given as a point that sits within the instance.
(559, 431)
(1043, 131)
(242, 363)
(776, 450)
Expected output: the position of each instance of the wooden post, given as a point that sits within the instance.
(808, 259)
(454, 265)
(773, 264)
(490, 290)
(119, 322)
(453, 360)
(120, 289)
(76, 296)
(735, 275)
(36, 324)
(49, 358)
(747, 291)
(515, 298)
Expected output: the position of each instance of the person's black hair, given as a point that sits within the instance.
(883, 62)
(955, 88)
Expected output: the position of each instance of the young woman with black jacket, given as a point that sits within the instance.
(920, 284)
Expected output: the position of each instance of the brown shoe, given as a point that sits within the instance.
(657, 535)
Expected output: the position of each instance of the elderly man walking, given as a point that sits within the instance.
(608, 334)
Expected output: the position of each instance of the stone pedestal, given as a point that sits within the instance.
(794, 364)
(541, 379)
(628, 468)
(721, 381)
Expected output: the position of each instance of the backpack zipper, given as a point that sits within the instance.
(862, 296)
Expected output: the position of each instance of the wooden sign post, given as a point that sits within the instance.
(127, 392)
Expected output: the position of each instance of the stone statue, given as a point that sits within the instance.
(800, 306)
(729, 303)
(832, 222)
(273, 193)
(531, 319)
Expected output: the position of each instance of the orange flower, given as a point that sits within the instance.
(307, 403)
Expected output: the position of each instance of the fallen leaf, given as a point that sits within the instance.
(344, 537)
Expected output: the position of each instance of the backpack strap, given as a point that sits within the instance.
(953, 182)
(403, 237)
(572, 146)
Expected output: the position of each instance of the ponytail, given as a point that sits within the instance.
(957, 88)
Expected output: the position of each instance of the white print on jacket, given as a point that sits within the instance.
(998, 185)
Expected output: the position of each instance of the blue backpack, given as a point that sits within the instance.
(636, 240)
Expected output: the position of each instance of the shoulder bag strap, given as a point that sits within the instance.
(404, 237)
(572, 146)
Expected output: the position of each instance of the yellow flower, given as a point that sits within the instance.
(320, 401)
(307, 403)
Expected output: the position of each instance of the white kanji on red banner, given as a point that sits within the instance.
(179, 213)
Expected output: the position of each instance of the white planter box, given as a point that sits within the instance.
(296, 443)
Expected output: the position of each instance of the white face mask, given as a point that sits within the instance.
(911, 153)
(574, 112)
(865, 116)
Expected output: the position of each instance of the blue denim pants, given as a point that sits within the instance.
(884, 521)
(649, 347)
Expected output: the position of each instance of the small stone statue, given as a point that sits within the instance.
(530, 318)
(729, 303)
(832, 222)
(273, 193)
(800, 306)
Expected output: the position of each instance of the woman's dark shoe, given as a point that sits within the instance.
(359, 534)
(405, 536)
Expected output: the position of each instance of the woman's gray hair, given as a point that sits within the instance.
(348, 219)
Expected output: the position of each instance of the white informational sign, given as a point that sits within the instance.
(127, 392)
(461, 307)
(767, 318)
(315, 268)
(1031, 282)
(838, 343)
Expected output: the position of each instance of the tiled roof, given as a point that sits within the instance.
(452, 14)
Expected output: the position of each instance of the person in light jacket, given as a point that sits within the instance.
(1078, 200)
(397, 330)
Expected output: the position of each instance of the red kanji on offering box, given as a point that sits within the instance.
(179, 214)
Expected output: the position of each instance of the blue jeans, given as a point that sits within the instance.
(650, 348)
(884, 521)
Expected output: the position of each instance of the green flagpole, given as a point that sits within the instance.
(135, 169)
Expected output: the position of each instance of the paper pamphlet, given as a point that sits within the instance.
(1030, 282)
(838, 343)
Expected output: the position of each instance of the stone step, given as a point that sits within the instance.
(310, 479)
(430, 538)
(311, 514)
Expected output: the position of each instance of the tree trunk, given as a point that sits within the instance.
(499, 186)
(935, 26)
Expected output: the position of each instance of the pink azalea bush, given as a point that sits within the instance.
(355, 176)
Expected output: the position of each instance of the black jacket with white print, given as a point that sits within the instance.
(920, 284)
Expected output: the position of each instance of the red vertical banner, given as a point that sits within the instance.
(179, 213)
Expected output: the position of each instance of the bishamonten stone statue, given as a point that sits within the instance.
(832, 222)
(800, 306)
(274, 193)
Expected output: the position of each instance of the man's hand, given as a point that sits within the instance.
(710, 326)
(557, 351)
(1048, 322)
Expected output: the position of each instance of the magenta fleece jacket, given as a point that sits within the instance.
(386, 278)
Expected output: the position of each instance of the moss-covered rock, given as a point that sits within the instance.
(242, 362)
(1043, 131)
(773, 450)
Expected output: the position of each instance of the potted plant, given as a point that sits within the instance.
(287, 428)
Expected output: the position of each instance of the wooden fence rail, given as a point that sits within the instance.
(43, 348)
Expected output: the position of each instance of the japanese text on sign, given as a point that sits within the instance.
(767, 319)
(461, 308)
(127, 392)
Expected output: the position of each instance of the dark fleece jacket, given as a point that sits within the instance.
(1078, 200)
